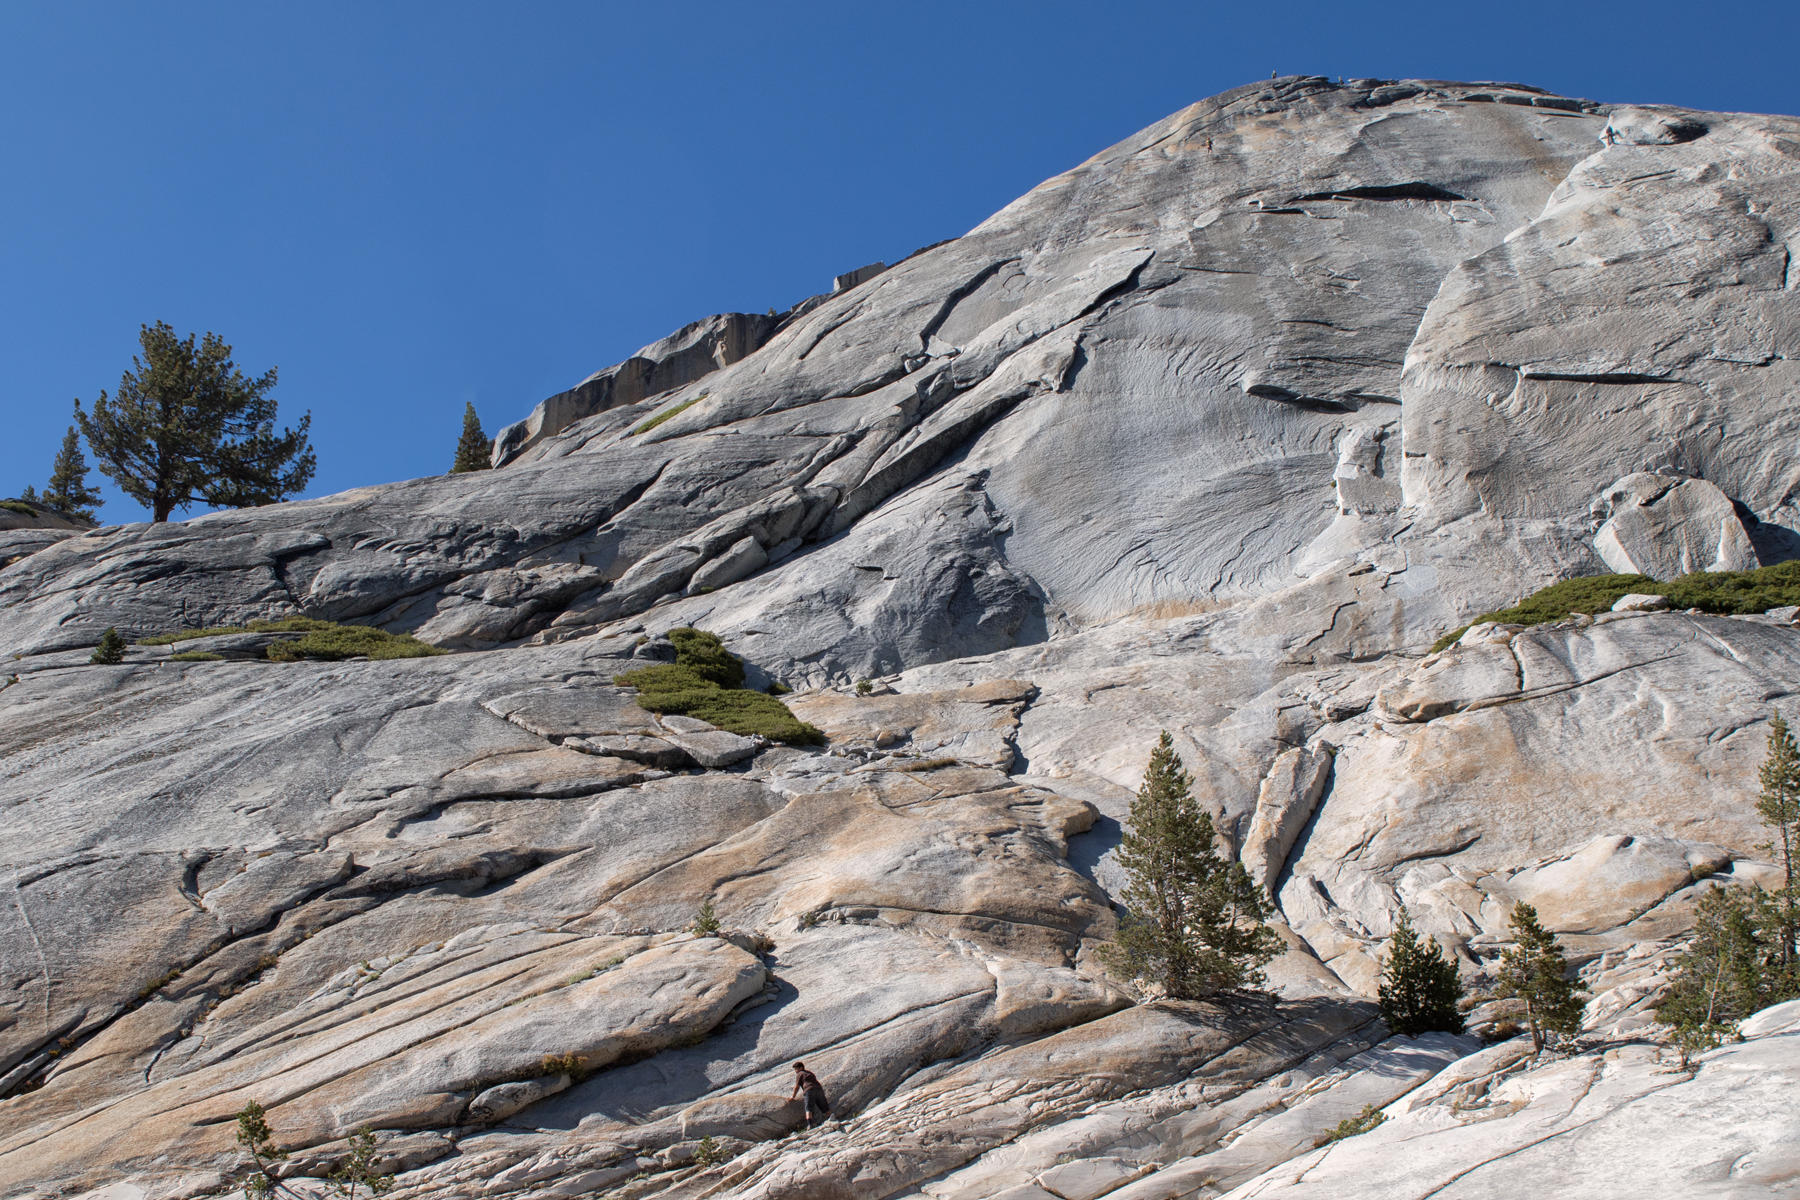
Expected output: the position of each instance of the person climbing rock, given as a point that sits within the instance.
(808, 1087)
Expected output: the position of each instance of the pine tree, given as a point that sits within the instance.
(1195, 923)
(359, 1169)
(1419, 984)
(1778, 805)
(111, 650)
(1535, 971)
(255, 1136)
(1721, 978)
(474, 452)
(68, 490)
(30, 496)
(187, 427)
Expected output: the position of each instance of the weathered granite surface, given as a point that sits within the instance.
(1214, 433)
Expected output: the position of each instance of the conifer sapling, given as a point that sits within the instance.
(1778, 804)
(473, 450)
(111, 650)
(1719, 978)
(1195, 923)
(1419, 984)
(68, 490)
(358, 1168)
(258, 1140)
(1534, 971)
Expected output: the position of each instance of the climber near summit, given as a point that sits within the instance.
(805, 1082)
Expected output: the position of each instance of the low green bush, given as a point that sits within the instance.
(330, 642)
(665, 414)
(20, 507)
(1723, 592)
(196, 656)
(705, 655)
(735, 710)
(326, 641)
(1362, 1122)
(706, 682)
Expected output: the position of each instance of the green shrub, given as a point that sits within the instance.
(706, 683)
(326, 641)
(735, 710)
(1723, 592)
(1362, 1122)
(20, 507)
(196, 656)
(706, 921)
(705, 655)
(572, 1065)
(329, 642)
(665, 414)
(111, 650)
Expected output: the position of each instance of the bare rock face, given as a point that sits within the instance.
(1215, 433)
(1535, 346)
(1618, 1122)
(689, 353)
(27, 528)
(1663, 527)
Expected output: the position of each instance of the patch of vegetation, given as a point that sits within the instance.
(357, 1169)
(926, 764)
(326, 641)
(196, 656)
(563, 1064)
(1744, 954)
(111, 650)
(1362, 1122)
(706, 681)
(258, 1140)
(20, 507)
(1728, 593)
(1420, 990)
(864, 687)
(778, 688)
(666, 414)
(1195, 922)
(706, 921)
(706, 656)
(710, 1154)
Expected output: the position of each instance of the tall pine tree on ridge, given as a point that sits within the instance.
(68, 489)
(473, 450)
(187, 427)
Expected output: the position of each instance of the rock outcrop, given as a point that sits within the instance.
(690, 353)
(1216, 433)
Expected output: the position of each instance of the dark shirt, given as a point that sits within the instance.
(806, 1081)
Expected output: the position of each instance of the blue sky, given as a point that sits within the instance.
(410, 206)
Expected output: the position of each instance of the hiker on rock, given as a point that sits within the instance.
(807, 1085)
